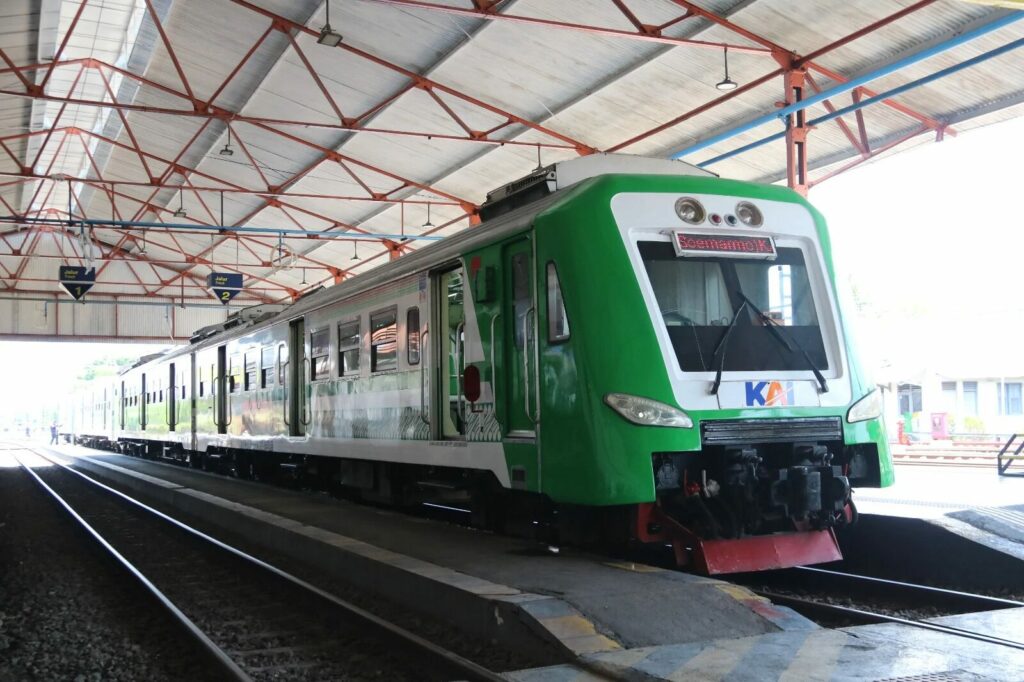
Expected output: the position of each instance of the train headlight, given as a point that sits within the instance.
(868, 407)
(647, 412)
(690, 211)
(749, 214)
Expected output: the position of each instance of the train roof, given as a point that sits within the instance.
(507, 210)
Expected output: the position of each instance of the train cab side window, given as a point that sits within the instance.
(266, 367)
(412, 335)
(250, 370)
(384, 340)
(349, 342)
(558, 321)
(320, 354)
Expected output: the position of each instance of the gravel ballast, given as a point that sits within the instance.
(67, 611)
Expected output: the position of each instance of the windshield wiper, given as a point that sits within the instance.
(722, 345)
(789, 341)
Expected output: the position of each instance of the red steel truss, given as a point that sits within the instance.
(171, 269)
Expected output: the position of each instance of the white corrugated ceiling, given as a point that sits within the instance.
(367, 143)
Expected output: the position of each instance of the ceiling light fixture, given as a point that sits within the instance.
(180, 213)
(726, 83)
(355, 251)
(228, 151)
(328, 36)
(428, 223)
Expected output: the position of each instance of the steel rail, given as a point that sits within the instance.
(467, 669)
(999, 602)
(216, 654)
(874, 616)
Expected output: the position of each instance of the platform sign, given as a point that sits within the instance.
(77, 280)
(225, 285)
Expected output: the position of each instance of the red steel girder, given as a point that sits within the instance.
(420, 80)
(24, 177)
(796, 133)
(788, 60)
(870, 155)
(41, 86)
(857, 143)
(350, 125)
(644, 32)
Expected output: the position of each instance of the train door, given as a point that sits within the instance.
(449, 349)
(297, 375)
(122, 402)
(519, 318)
(172, 399)
(221, 401)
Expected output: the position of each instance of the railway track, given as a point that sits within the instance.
(829, 583)
(252, 620)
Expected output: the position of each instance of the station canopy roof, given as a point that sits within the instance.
(243, 114)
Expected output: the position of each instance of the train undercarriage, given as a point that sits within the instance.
(726, 509)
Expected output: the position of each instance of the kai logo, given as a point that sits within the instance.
(769, 393)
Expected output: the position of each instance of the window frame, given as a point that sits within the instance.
(409, 329)
(236, 371)
(267, 374)
(970, 404)
(326, 355)
(250, 383)
(348, 348)
(1019, 398)
(393, 311)
(553, 338)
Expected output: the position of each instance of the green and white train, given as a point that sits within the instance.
(626, 349)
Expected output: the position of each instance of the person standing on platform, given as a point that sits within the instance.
(53, 433)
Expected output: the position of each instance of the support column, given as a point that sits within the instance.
(796, 132)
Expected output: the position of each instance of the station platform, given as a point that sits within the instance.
(976, 504)
(603, 618)
(880, 653)
(498, 586)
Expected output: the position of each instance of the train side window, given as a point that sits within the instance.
(266, 366)
(412, 336)
(235, 374)
(558, 321)
(384, 340)
(349, 342)
(250, 370)
(320, 354)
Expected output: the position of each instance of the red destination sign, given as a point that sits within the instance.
(733, 245)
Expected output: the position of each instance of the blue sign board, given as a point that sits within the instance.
(77, 280)
(225, 285)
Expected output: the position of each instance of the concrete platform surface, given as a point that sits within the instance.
(877, 653)
(584, 602)
(977, 504)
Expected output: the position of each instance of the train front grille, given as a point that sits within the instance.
(792, 430)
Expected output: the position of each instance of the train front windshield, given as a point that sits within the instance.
(698, 298)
